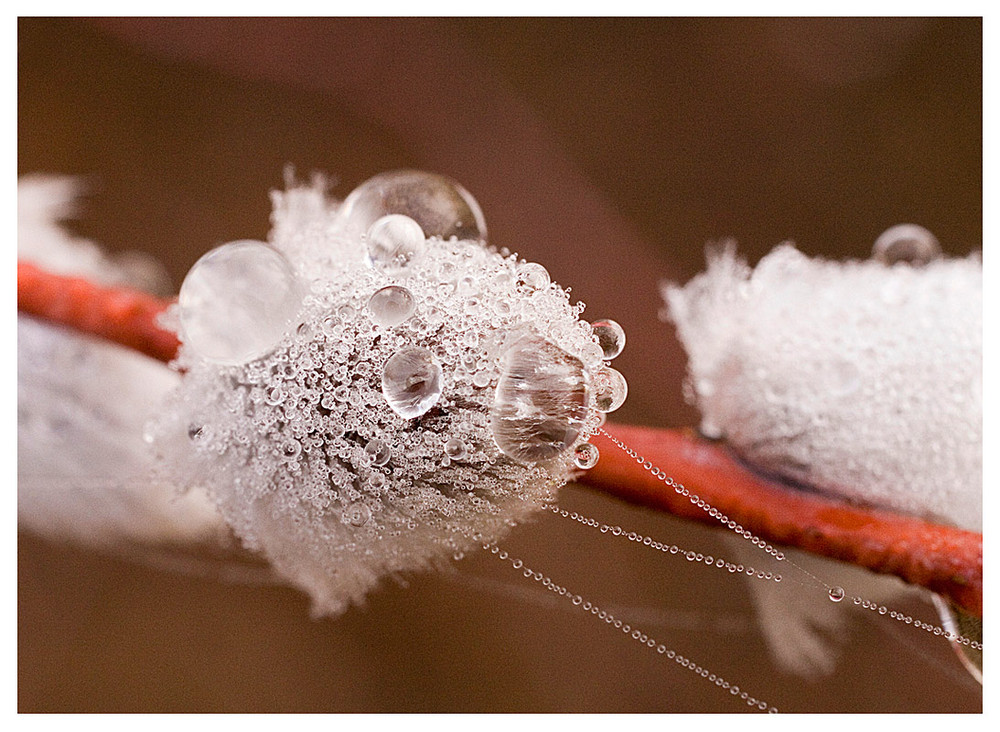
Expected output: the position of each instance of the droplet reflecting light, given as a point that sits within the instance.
(437, 203)
(586, 455)
(907, 243)
(541, 401)
(610, 389)
(611, 337)
(394, 242)
(391, 305)
(237, 302)
(411, 381)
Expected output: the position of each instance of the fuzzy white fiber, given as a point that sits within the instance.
(856, 378)
(84, 470)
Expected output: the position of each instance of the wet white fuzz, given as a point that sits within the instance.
(426, 395)
(861, 378)
(82, 466)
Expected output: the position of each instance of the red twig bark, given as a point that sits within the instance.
(119, 314)
(943, 559)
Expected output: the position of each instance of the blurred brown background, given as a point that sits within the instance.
(609, 150)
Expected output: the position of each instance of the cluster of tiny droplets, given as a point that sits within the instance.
(835, 593)
(916, 623)
(635, 633)
(660, 546)
(374, 433)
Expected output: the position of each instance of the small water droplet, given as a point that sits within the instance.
(837, 594)
(541, 401)
(455, 449)
(610, 389)
(907, 243)
(411, 381)
(586, 455)
(532, 276)
(378, 451)
(391, 305)
(610, 336)
(394, 242)
(357, 514)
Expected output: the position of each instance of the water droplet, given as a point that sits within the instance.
(610, 389)
(455, 449)
(391, 305)
(291, 449)
(439, 205)
(532, 276)
(237, 302)
(611, 337)
(357, 514)
(378, 452)
(585, 456)
(908, 243)
(411, 381)
(393, 243)
(837, 594)
(541, 401)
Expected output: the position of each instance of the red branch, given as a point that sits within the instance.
(118, 314)
(946, 560)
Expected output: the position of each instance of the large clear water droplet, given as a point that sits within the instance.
(394, 242)
(541, 402)
(391, 305)
(411, 381)
(437, 203)
(610, 389)
(907, 243)
(610, 336)
(237, 302)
